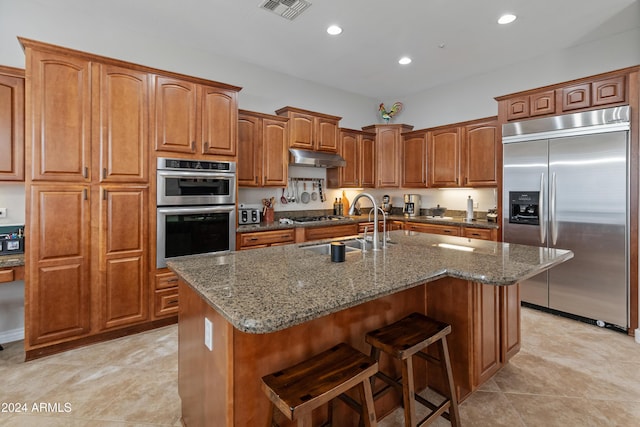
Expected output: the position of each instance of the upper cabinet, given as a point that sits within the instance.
(263, 156)
(388, 153)
(465, 155)
(60, 122)
(11, 124)
(414, 159)
(358, 150)
(196, 119)
(603, 90)
(310, 130)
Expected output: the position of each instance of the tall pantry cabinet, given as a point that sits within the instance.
(87, 196)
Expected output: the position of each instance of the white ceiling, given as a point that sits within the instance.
(363, 59)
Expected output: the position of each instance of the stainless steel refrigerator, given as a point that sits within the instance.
(566, 185)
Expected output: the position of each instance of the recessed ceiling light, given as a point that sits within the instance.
(404, 60)
(334, 30)
(507, 18)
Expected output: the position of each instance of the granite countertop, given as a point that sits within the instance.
(269, 289)
(457, 221)
(15, 260)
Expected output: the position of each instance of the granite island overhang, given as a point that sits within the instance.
(272, 307)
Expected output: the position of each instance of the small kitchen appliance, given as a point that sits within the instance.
(386, 204)
(411, 205)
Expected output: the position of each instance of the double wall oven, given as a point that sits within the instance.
(196, 211)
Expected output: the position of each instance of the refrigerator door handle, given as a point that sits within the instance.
(552, 211)
(543, 223)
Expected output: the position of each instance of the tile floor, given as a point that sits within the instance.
(566, 374)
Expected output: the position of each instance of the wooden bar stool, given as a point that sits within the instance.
(404, 339)
(298, 390)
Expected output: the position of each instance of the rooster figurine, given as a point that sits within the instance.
(386, 115)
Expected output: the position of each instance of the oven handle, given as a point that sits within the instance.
(196, 209)
(189, 174)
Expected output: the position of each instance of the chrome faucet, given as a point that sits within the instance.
(376, 239)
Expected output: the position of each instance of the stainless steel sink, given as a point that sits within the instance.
(325, 248)
(351, 245)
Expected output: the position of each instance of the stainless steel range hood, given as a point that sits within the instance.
(316, 159)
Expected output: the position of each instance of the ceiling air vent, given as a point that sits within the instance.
(289, 9)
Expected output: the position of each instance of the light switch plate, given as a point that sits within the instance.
(3, 212)
(208, 334)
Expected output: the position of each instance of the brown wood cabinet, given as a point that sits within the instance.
(449, 230)
(58, 291)
(263, 157)
(194, 119)
(414, 159)
(11, 124)
(10, 274)
(465, 154)
(165, 295)
(388, 153)
(88, 204)
(329, 232)
(310, 130)
(358, 150)
(604, 90)
(263, 239)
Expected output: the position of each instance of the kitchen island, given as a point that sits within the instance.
(270, 308)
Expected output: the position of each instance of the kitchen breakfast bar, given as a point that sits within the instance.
(266, 309)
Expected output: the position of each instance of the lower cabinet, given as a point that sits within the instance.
(330, 232)
(165, 295)
(449, 230)
(487, 320)
(263, 239)
(87, 262)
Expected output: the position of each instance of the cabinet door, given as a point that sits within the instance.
(123, 124)
(301, 128)
(487, 336)
(350, 174)
(510, 312)
(608, 91)
(447, 230)
(388, 155)
(543, 103)
(219, 121)
(11, 128)
(414, 160)
(327, 135)
(249, 151)
(576, 97)
(368, 161)
(58, 291)
(518, 108)
(123, 290)
(444, 157)
(175, 115)
(60, 117)
(275, 164)
(481, 155)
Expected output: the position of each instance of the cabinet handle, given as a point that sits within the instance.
(456, 181)
(104, 194)
(104, 173)
(447, 231)
(206, 146)
(193, 146)
(85, 172)
(175, 279)
(253, 238)
(265, 179)
(466, 180)
(256, 179)
(171, 302)
(85, 196)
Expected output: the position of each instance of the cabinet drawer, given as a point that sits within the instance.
(166, 302)
(166, 280)
(262, 238)
(6, 275)
(478, 233)
(319, 233)
(448, 230)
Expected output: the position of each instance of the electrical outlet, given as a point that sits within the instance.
(208, 334)
(476, 205)
(3, 212)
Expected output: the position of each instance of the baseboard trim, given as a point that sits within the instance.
(12, 335)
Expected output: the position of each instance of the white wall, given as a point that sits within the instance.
(12, 198)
